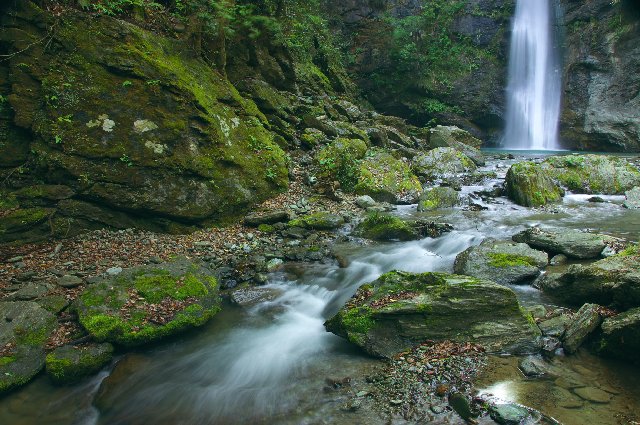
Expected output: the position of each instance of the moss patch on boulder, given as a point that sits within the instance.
(384, 227)
(438, 197)
(387, 179)
(442, 163)
(68, 364)
(530, 186)
(341, 161)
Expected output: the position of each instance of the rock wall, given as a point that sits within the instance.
(601, 98)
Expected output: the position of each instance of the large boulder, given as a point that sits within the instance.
(384, 227)
(341, 161)
(572, 243)
(454, 137)
(621, 336)
(612, 281)
(530, 186)
(322, 220)
(387, 179)
(442, 163)
(607, 175)
(69, 364)
(585, 321)
(25, 329)
(503, 262)
(148, 303)
(400, 309)
(438, 197)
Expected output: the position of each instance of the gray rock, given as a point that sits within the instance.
(68, 364)
(558, 260)
(528, 185)
(621, 336)
(633, 199)
(269, 217)
(572, 243)
(30, 291)
(441, 163)
(504, 262)
(533, 366)
(456, 138)
(508, 413)
(365, 202)
(594, 395)
(69, 281)
(114, 271)
(556, 326)
(438, 197)
(586, 320)
(251, 296)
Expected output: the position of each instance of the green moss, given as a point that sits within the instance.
(67, 364)
(266, 228)
(32, 337)
(510, 260)
(631, 251)
(7, 201)
(5, 360)
(358, 320)
(378, 226)
(341, 161)
(318, 221)
(386, 178)
(161, 284)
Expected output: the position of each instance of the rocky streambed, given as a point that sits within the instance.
(547, 286)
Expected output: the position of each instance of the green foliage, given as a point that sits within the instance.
(341, 161)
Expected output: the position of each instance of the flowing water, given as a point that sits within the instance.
(268, 363)
(533, 91)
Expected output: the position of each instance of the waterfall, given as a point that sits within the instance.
(533, 91)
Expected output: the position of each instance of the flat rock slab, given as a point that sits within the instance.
(68, 281)
(594, 395)
(503, 262)
(270, 217)
(572, 243)
(69, 364)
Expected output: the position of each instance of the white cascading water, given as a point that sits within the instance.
(533, 91)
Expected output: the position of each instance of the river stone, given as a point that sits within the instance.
(30, 291)
(382, 227)
(558, 260)
(608, 175)
(365, 201)
(442, 163)
(69, 281)
(270, 217)
(53, 303)
(456, 138)
(251, 295)
(438, 197)
(556, 326)
(565, 398)
(594, 395)
(528, 185)
(533, 366)
(27, 326)
(318, 221)
(572, 243)
(633, 199)
(621, 336)
(504, 262)
(401, 309)
(69, 364)
(387, 179)
(611, 281)
(508, 414)
(585, 321)
(120, 309)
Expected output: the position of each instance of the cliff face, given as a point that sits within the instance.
(437, 60)
(601, 99)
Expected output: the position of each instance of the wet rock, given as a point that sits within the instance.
(387, 179)
(382, 227)
(611, 281)
(270, 217)
(508, 414)
(69, 364)
(556, 326)
(504, 262)
(572, 243)
(401, 309)
(533, 366)
(621, 336)
(537, 311)
(594, 395)
(25, 329)
(69, 281)
(148, 303)
(632, 201)
(438, 197)
(460, 404)
(339, 161)
(585, 321)
(528, 185)
(365, 202)
(565, 398)
(596, 200)
(318, 221)
(558, 260)
(251, 296)
(456, 138)
(442, 163)
(608, 175)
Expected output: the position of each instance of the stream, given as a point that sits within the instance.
(267, 363)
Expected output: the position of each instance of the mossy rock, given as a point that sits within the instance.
(438, 197)
(318, 221)
(442, 163)
(504, 262)
(121, 309)
(26, 326)
(340, 161)
(621, 336)
(384, 227)
(461, 140)
(27, 223)
(387, 179)
(402, 309)
(570, 242)
(69, 364)
(600, 174)
(529, 185)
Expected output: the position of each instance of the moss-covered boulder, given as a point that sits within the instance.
(318, 221)
(459, 139)
(69, 364)
(572, 243)
(384, 227)
(340, 161)
(148, 303)
(442, 163)
(621, 336)
(133, 121)
(438, 197)
(607, 175)
(401, 309)
(25, 329)
(613, 281)
(503, 262)
(530, 186)
(25, 223)
(387, 179)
